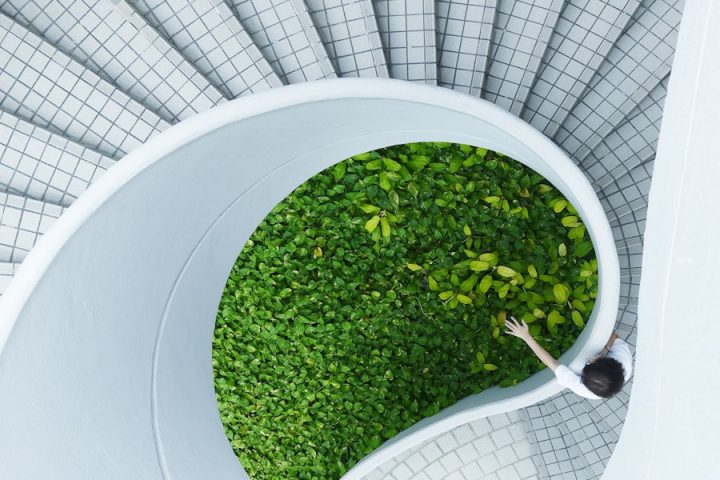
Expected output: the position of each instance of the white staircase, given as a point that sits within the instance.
(84, 82)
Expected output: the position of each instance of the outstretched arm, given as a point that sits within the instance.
(522, 331)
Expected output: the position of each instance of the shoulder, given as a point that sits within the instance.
(569, 379)
(621, 352)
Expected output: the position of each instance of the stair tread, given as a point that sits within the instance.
(67, 98)
(209, 35)
(285, 34)
(464, 30)
(520, 36)
(115, 42)
(638, 61)
(42, 165)
(583, 36)
(22, 222)
(356, 53)
(407, 30)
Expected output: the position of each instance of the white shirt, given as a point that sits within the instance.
(619, 351)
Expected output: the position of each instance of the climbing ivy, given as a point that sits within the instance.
(375, 294)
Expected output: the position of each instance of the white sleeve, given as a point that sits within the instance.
(620, 351)
(569, 379)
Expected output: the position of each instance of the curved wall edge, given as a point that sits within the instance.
(133, 273)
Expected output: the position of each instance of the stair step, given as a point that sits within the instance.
(349, 30)
(115, 42)
(7, 271)
(638, 61)
(631, 143)
(519, 39)
(464, 30)
(22, 222)
(42, 165)
(407, 30)
(285, 34)
(583, 36)
(209, 35)
(43, 86)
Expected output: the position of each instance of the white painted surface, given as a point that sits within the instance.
(672, 429)
(107, 327)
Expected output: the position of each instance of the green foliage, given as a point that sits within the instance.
(375, 295)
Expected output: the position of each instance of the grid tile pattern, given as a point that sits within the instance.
(22, 221)
(286, 36)
(349, 30)
(115, 42)
(631, 143)
(640, 59)
(493, 448)
(7, 271)
(583, 36)
(522, 31)
(44, 166)
(208, 34)
(40, 84)
(464, 29)
(407, 29)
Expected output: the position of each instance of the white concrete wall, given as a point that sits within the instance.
(672, 429)
(107, 328)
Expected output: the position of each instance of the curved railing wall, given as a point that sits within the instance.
(107, 327)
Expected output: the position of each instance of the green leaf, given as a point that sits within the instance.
(418, 162)
(374, 165)
(339, 170)
(369, 208)
(391, 164)
(559, 206)
(446, 294)
(394, 199)
(464, 299)
(384, 181)
(414, 267)
(485, 283)
(432, 283)
(385, 227)
(372, 224)
(560, 293)
(562, 250)
(479, 266)
(577, 319)
(570, 221)
(506, 272)
(490, 367)
(583, 249)
(467, 231)
(469, 283)
(532, 271)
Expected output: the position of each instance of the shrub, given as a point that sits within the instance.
(374, 295)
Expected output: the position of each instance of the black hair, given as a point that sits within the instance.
(604, 377)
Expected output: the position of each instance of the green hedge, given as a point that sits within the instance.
(374, 295)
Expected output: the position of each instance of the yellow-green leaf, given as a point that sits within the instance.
(391, 164)
(488, 257)
(489, 367)
(464, 299)
(479, 266)
(414, 267)
(446, 294)
(385, 226)
(486, 283)
(317, 252)
(467, 231)
(560, 293)
(571, 221)
(367, 208)
(506, 272)
(385, 181)
(470, 253)
(432, 283)
(538, 313)
(577, 319)
(372, 224)
(559, 206)
(532, 271)
(480, 357)
(562, 250)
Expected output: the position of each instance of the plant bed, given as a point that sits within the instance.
(374, 296)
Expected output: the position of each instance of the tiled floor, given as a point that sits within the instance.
(494, 448)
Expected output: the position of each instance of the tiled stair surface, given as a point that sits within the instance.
(83, 82)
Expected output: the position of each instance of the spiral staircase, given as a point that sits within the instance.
(84, 82)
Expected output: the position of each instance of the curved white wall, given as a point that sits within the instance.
(106, 373)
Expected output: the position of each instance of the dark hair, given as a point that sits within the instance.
(604, 377)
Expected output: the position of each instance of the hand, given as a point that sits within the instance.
(516, 329)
